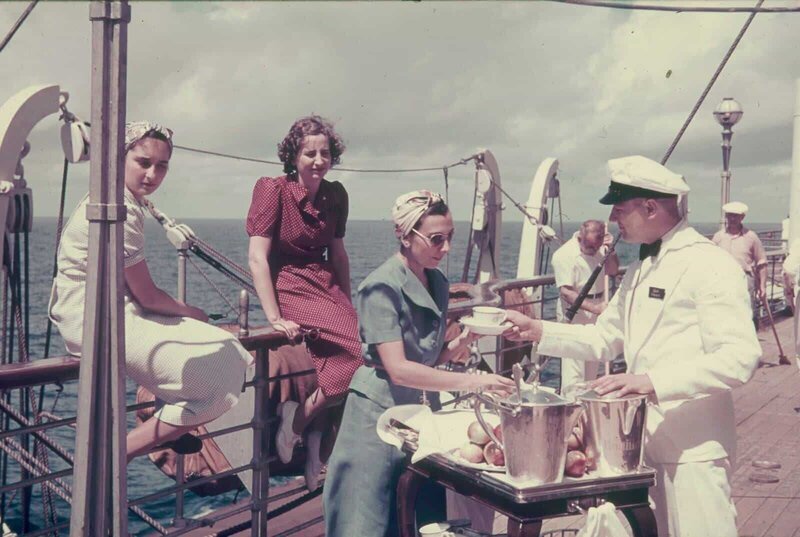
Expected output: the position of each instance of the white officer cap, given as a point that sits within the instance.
(639, 177)
(735, 207)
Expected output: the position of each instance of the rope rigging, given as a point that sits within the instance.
(460, 162)
(16, 26)
(677, 8)
(711, 82)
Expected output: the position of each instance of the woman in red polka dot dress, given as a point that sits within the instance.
(301, 272)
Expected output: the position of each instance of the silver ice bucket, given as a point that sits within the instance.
(613, 432)
(535, 428)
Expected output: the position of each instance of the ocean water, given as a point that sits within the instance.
(368, 243)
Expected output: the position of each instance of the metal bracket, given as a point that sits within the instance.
(113, 11)
(106, 212)
(582, 505)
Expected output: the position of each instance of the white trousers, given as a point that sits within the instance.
(693, 499)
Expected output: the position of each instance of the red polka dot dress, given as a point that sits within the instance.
(304, 281)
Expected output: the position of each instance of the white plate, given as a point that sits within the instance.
(485, 467)
(410, 415)
(484, 329)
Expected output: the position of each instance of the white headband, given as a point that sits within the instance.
(137, 130)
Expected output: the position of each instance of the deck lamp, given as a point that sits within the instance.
(728, 113)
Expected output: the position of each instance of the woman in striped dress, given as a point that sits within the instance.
(195, 369)
(301, 271)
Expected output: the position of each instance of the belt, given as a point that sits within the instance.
(596, 295)
(298, 261)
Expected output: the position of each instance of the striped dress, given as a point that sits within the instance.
(195, 369)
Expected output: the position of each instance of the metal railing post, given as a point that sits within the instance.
(180, 463)
(100, 502)
(260, 461)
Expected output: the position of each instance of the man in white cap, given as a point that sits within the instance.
(682, 318)
(746, 248)
(573, 264)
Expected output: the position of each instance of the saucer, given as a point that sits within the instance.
(484, 329)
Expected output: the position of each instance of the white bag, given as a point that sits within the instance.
(603, 522)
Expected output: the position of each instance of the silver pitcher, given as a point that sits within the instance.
(535, 426)
(613, 432)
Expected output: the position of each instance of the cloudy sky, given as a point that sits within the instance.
(425, 84)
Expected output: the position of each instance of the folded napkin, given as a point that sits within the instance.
(603, 522)
(439, 432)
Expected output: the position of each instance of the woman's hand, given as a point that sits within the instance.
(524, 328)
(196, 313)
(492, 383)
(458, 348)
(290, 328)
(463, 340)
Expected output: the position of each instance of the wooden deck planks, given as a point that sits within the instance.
(768, 429)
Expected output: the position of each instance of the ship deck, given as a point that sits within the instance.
(768, 426)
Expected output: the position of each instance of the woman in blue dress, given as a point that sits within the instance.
(402, 312)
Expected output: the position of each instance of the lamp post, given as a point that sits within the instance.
(728, 113)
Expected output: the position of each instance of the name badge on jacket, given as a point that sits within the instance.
(656, 292)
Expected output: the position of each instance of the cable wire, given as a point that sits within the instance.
(460, 162)
(20, 20)
(711, 82)
(678, 9)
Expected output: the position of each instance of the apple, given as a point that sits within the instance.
(476, 434)
(575, 465)
(494, 455)
(498, 432)
(591, 458)
(573, 442)
(471, 453)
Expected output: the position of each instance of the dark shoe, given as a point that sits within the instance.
(185, 444)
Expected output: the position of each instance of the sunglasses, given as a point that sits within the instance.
(436, 240)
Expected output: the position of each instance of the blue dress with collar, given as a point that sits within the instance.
(393, 305)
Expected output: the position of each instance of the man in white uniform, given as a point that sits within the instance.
(573, 264)
(682, 318)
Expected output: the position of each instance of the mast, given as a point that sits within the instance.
(99, 505)
(794, 192)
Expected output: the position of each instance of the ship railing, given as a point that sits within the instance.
(61, 370)
(776, 296)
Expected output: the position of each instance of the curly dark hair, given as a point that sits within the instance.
(308, 126)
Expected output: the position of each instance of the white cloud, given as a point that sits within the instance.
(424, 84)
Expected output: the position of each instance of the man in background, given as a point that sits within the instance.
(573, 263)
(746, 248)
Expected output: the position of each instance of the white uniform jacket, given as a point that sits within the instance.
(683, 318)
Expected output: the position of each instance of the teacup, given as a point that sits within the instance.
(436, 529)
(488, 315)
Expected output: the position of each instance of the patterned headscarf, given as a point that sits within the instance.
(137, 130)
(409, 208)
